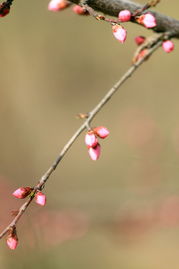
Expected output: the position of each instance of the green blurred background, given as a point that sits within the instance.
(121, 211)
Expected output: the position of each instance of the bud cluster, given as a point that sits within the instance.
(22, 193)
(120, 33)
(167, 45)
(91, 140)
(146, 19)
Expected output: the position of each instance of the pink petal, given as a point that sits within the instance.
(12, 242)
(139, 40)
(40, 198)
(57, 5)
(79, 10)
(94, 153)
(168, 46)
(124, 15)
(119, 33)
(101, 131)
(148, 20)
(22, 192)
(91, 140)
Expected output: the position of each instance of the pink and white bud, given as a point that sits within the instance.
(101, 131)
(119, 33)
(148, 20)
(124, 15)
(57, 5)
(90, 139)
(12, 242)
(40, 198)
(94, 153)
(22, 192)
(79, 10)
(139, 40)
(168, 46)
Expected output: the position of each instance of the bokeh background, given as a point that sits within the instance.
(121, 211)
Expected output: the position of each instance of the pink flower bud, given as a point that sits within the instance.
(57, 5)
(12, 239)
(139, 40)
(4, 10)
(79, 10)
(148, 20)
(12, 242)
(22, 192)
(90, 139)
(140, 55)
(119, 33)
(40, 198)
(168, 46)
(101, 131)
(94, 152)
(124, 15)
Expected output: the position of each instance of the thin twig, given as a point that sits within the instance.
(92, 114)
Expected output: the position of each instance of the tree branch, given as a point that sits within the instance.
(112, 8)
(41, 184)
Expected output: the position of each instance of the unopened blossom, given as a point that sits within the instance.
(119, 33)
(12, 239)
(22, 192)
(142, 54)
(168, 46)
(4, 10)
(148, 20)
(40, 198)
(94, 152)
(90, 139)
(101, 131)
(79, 10)
(12, 242)
(139, 40)
(57, 5)
(124, 15)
